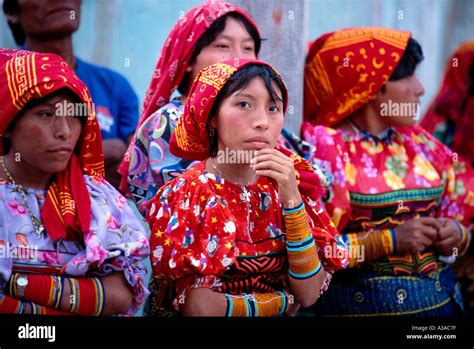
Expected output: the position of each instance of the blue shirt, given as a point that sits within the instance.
(116, 104)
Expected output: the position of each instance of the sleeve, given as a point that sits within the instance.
(458, 196)
(128, 109)
(192, 237)
(151, 163)
(330, 156)
(117, 241)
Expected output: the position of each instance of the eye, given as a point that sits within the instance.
(249, 49)
(244, 105)
(223, 46)
(46, 113)
(274, 109)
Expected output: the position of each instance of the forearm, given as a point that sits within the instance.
(205, 302)
(108, 295)
(9, 305)
(369, 246)
(306, 274)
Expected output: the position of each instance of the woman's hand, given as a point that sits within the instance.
(276, 165)
(449, 237)
(416, 234)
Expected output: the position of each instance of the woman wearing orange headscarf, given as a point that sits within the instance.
(402, 202)
(70, 243)
(241, 233)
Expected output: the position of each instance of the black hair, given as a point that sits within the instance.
(412, 56)
(210, 35)
(237, 82)
(32, 104)
(11, 7)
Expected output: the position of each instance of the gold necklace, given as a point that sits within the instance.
(229, 178)
(36, 222)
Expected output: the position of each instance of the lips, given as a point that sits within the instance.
(258, 140)
(60, 150)
(62, 9)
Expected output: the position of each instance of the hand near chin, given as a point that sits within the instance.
(276, 165)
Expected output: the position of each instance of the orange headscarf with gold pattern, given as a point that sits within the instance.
(345, 69)
(25, 76)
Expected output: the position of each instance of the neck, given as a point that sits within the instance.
(61, 46)
(365, 119)
(25, 175)
(183, 99)
(241, 174)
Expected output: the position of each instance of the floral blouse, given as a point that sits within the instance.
(209, 232)
(380, 182)
(117, 240)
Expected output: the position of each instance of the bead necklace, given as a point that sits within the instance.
(39, 229)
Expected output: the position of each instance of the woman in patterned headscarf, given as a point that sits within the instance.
(402, 202)
(241, 233)
(70, 243)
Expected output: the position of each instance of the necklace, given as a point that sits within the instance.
(384, 136)
(36, 222)
(244, 196)
(229, 178)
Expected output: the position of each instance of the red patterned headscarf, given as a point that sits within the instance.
(174, 59)
(26, 76)
(346, 69)
(455, 101)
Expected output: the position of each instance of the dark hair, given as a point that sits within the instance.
(239, 81)
(32, 104)
(210, 35)
(11, 7)
(412, 56)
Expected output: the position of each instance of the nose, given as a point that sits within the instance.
(419, 89)
(62, 127)
(261, 119)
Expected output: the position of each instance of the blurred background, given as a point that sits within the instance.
(127, 35)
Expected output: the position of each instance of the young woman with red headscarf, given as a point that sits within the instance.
(70, 243)
(240, 235)
(401, 200)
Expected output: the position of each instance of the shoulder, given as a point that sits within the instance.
(101, 73)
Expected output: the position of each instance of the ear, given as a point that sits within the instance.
(13, 18)
(212, 123)
(189, 68)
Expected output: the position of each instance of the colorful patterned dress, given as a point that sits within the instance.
(209, 232)
(378, 183)
(117, 240)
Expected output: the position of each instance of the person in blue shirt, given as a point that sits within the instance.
(47, 26)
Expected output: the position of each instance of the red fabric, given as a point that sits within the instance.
(173, 61)
(26, 76)
(455, 103)
(190, 140)
(346, 68)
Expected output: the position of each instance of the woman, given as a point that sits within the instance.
(402, 202)
(218, 231)
(71, 244)
(209, 33)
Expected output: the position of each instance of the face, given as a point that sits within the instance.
(249, 119)
(43, 139)
(46, 18)
(233, 42)
(400, 103)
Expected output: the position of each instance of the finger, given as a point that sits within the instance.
(429, 232)
(271, 165)
(425, 241)
(446, 232)
(434, 222)
(272, 157)
(270, 173)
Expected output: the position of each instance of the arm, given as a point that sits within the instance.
(83, 296)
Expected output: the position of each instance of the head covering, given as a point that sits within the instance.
(26, 76)
(174, 59)
(190, 139)
(455, 101)
(346, 69)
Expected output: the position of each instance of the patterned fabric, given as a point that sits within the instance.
(449, 118)
(346, 68)
(190, 139)
(203, 236)
(377, 185)
(26, 76)
(174, 58)
(116, 240)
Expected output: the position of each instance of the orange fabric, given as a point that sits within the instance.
(345, 69)
(455, 102)
(190, 140)
(25, 76)
(174, 59)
